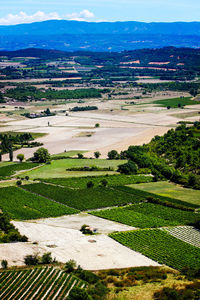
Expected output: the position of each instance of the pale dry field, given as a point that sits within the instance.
(61, 237)
(118, 128)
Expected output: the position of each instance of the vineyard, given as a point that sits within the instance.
(113, 180)
(160, 246)
(90, 198)
(148, 215)
(23, 205)
(187, 234)
(38, 283)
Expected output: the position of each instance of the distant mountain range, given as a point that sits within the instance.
(104, 36)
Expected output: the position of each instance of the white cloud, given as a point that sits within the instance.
(84, 15)
(23, 17)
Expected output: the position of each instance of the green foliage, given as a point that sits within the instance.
(41, 155)
(19, 182)
(97, 154)
(176, 102)
(129, 168)
(113, 154)
(90, 184)
(70, 266)
(31, 260)
(20, 157)
(21, 204)
(161, 247)
(85, 229)
(46, 258)
(78, 294)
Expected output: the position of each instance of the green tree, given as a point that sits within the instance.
(113, 154)
(70, 266)
(79, 294)
(11, 154)
(31, 260)
(20, 157)
(46, 258)
(97, 154)
(41, 155)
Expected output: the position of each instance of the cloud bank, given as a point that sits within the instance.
(22, 17)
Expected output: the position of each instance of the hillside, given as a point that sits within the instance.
(102, 36)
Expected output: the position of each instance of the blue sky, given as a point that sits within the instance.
(26, 11)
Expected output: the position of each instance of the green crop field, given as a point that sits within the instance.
(22, 205)
(38, 283)
(160, 246)
(11, 168)
(148, 215)
(167, 189)
(175, 101)
(57, 168)
(86, 199)
(113, 180)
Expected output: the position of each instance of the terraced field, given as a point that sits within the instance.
(38, 283)
(187, 234)
(160, 246)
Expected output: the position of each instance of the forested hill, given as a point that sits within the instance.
(174, 156)
(102, 36)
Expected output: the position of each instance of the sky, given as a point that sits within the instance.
(28, 11)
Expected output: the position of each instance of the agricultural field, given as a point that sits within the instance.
(188, 234)
(171, 190)
(173, 103)
(148, 215)
(90, 198)
(23, 205)
(37, 283)
(160, 246)
(112, 180)
(139, 192)
(11, 168)
(57, 168)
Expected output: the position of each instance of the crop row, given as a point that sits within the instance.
(148, 215)
(90, 198)
(21, 204)
(10, 169)
(113, 180)
(160, 246)
(187, 234)
(39, 283)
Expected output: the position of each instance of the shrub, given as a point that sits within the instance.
(19, 182)
(4, 264)
(46, 258)
(31, 260)
(70, 266)
(90, 184)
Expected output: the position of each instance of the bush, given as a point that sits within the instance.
(78, 294)
(128, 168)
(46, 258)
(4, 264)
(41, 155)
(19, 182)
(90, 184)
(70, 266)
(31, 260)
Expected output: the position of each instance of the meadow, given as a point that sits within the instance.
(11, 168)
(175, 102)
(57, 168)
(171, 190)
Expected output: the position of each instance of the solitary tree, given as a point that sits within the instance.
(11, 154)
(97, 125)
(97, 154)
(70, 266)
(41, 155)
(20, 157)
(113, 154)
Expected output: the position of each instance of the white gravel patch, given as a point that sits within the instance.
(91, 252)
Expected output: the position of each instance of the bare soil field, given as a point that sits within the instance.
(91, 252)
